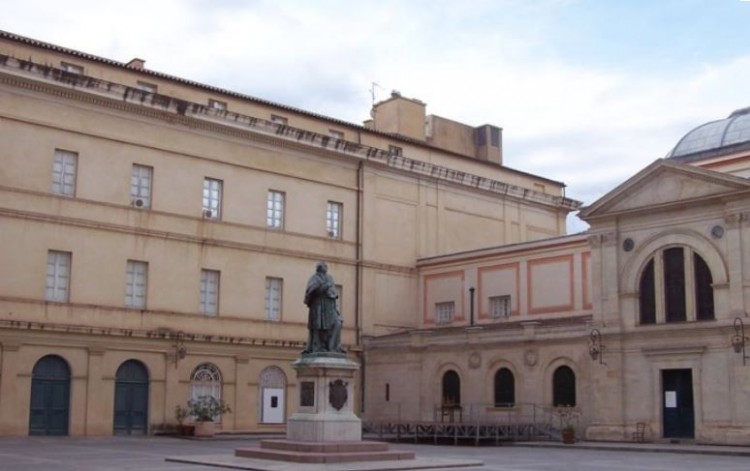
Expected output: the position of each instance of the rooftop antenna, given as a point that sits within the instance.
(372, 91)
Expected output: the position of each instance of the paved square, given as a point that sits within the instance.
(148, 453)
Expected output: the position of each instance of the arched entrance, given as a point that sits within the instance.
(50, 397)
(131, 399)
(451, 389)
(564, 387)
(272, 385)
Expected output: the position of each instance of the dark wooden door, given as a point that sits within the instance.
(50, 397)
(131, 399)
(677, 403)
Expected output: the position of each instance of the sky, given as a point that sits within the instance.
(587, 92)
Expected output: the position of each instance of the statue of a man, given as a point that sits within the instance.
(324, 320)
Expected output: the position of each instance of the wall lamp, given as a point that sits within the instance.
(180, 352)
(739, 339)
(596, 349)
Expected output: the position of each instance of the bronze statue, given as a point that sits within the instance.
(324, 320)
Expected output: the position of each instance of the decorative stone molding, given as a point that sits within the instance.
(475, 360)
(531, 357)
(735, 219)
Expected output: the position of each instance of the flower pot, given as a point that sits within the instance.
(568, 436)
(205, 429)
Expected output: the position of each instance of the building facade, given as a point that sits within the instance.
(158, 234)
(640, 320)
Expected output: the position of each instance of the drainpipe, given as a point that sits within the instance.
(471, 306)
(358, 281)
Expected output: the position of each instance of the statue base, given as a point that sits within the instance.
(326, 396)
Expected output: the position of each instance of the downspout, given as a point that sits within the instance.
(471, 306)
(358, 283)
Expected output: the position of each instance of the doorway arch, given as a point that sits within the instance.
(451, 389)
(272, 395)
(50, 397)
(131, 399)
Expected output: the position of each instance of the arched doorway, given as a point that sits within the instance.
(131, 399)
(564, 387)
(451, 389)
(272, 385)
(50, 397)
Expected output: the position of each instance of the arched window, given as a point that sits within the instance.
(451, 388)
(563, 387)
(505, 388)
(676, 286)
(205, 381)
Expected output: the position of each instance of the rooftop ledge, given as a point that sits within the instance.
(131, 95)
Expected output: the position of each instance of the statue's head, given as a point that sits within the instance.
(322, 267)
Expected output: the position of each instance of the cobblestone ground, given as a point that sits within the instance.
(148, 453)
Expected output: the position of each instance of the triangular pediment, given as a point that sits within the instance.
(665, 183)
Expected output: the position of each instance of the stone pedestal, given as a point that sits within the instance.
(326, 396)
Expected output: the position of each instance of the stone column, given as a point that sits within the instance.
(15, 393)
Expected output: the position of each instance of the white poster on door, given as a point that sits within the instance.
(273, 406)
(670, 399)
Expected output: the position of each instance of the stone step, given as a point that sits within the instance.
(321, 457)
(323, 447)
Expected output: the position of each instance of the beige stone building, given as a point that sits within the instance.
(157, 235)
(638, 321)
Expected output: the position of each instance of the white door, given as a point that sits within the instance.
(273, 406)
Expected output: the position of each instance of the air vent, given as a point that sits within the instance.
(207, 213)
(138, 203)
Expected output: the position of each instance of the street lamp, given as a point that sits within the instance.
(596, 349)
(739, 339)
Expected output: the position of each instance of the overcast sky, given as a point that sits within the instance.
(587, 91)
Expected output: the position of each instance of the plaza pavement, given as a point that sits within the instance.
(149, 453)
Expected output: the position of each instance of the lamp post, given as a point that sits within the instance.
(739, 339)
(596, 349)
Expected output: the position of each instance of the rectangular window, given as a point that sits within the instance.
(275, 210)
(211, 198)
(336, 134)
(64, 173)
(140, 186)
(279, 119)
(209, 292)
(72, 68)
(146, 87)
(217, 105)
(136, 280)
(58, 276)
(333, 219)
(444, 312)
(396, 151)
(273, 298)
(500, 307)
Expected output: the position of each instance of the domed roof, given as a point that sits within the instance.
(715, 135)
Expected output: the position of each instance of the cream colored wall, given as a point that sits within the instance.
(476, 355)
(405, 216)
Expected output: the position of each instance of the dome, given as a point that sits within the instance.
(715, 135)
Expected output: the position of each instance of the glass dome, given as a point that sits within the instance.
(715, 134)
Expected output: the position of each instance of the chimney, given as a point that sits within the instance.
(488, 140)
(400, 115)
(136, 63)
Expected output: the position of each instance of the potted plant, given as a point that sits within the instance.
(568, 416)
(205, 410)
(182, 413)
